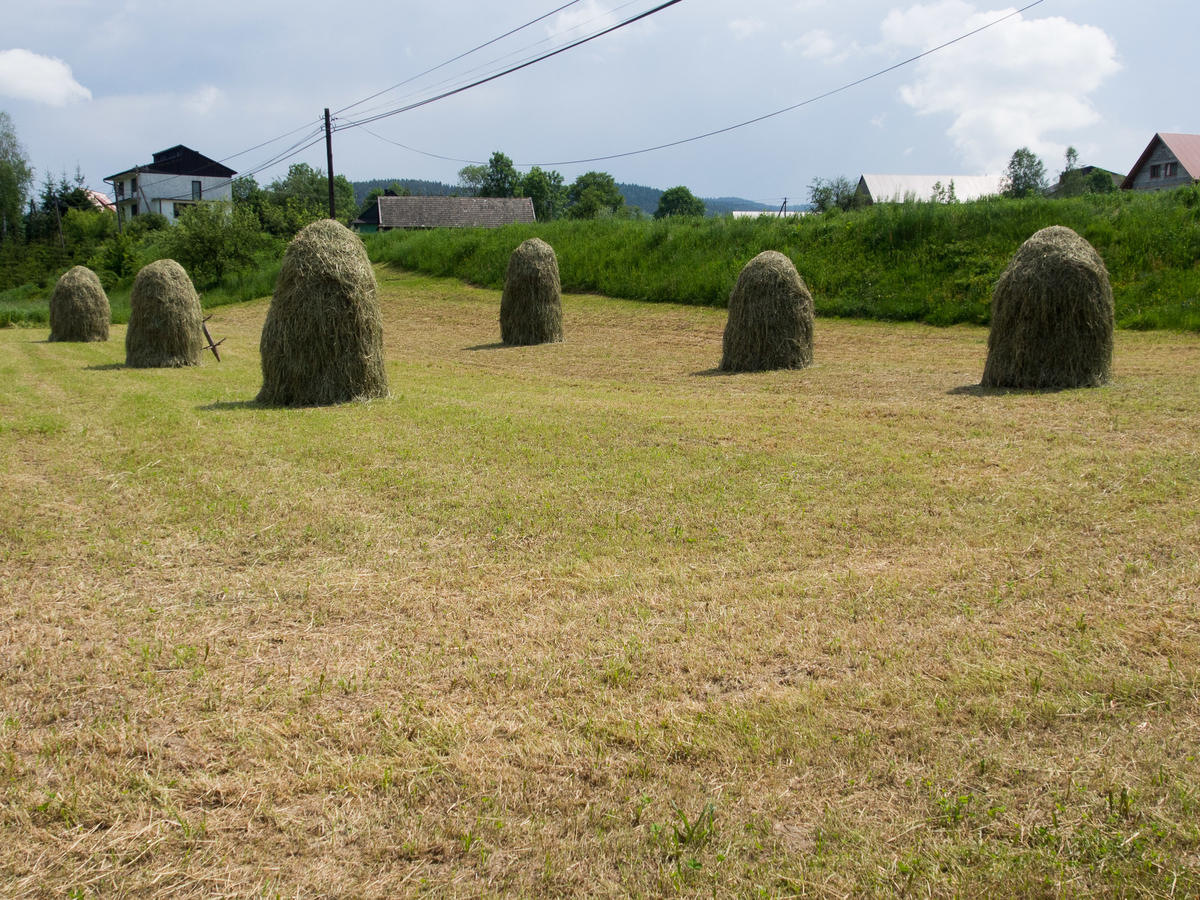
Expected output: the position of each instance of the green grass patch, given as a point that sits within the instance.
(899, 262)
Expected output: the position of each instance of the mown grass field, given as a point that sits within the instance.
(590, 619)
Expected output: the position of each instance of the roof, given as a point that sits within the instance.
(454, 212)
(99, 200)
(180, 160)
(1184, 147)
(897, 188)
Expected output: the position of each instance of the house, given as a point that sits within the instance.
(100, 201)
(1170, 160)
(445, 212)
(178, 177)
(912, 188)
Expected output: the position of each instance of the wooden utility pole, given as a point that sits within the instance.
(329, 161)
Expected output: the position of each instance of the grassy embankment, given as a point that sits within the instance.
(29, 305)
(588, 619)
(901, 262)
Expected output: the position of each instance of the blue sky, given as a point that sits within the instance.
(102, 85)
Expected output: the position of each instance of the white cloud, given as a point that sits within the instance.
(820, 45)
(1011, 86)
(43, 79)
(204, 100)
(744, 28)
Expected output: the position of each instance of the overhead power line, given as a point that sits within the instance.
(511, 69)
(795, 106)
(455, 59)
(747, 122)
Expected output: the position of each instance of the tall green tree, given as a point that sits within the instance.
(547, 191)
(592, 195)
(309, 189)
(1025, 174)
(501, 178)
(209, 240)
(16, 177)
(678, 201)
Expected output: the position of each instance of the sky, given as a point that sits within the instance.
(101, 86)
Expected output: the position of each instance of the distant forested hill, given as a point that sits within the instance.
(638, 195)
(646, 199)
(415, 186)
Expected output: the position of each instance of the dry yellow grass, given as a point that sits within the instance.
(588, 618)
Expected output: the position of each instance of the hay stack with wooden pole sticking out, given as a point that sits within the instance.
(1052, 316)
(79, 309)
(164, 318)
(770, 323)
(322, 341)
(531, 305)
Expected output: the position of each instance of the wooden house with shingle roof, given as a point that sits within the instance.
(445, 212)
(1169, 161)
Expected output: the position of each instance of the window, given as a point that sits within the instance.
(1170, 170)
(133, 210)
(120, 189)
(1156, 171)
(133, 185)
(196, 190)
(178, 208)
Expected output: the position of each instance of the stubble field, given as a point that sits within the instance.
(592, 619)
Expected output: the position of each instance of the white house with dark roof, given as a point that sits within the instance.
(1169, 161)
(446, 212)
(178, 177)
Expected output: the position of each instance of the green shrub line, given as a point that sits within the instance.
(923, 262)
(932, 263)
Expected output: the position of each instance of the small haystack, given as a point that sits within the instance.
(164, 319)
(79, 309)
(770, 322)
(322, 341)
(531, 306)
(1052, 316)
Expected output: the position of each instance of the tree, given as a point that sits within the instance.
(592, 195)
(209, 240)
(1025, 175)
(470, 180)
(678, 201)
(1100, 182)
(16, 177)
(832, 193)
(1071, 181)
(547, 191)
(501, 178)
(309, 189)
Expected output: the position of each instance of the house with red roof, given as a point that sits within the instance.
(1169, 161)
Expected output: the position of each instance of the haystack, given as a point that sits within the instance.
(1052, 316)
(79, 309)
(322, 341)
(770, 323)
(531, 306)
(164, 319)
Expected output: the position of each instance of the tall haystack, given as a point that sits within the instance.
(164, 319)
(79, 309)
(322, 341)
(531, 306)
(770, 323)
(1052, 316)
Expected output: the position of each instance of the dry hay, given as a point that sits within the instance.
(322, 341)
(164, 319)
(770, 323)
(1052, 316)
(79, 309)
(531, 305)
